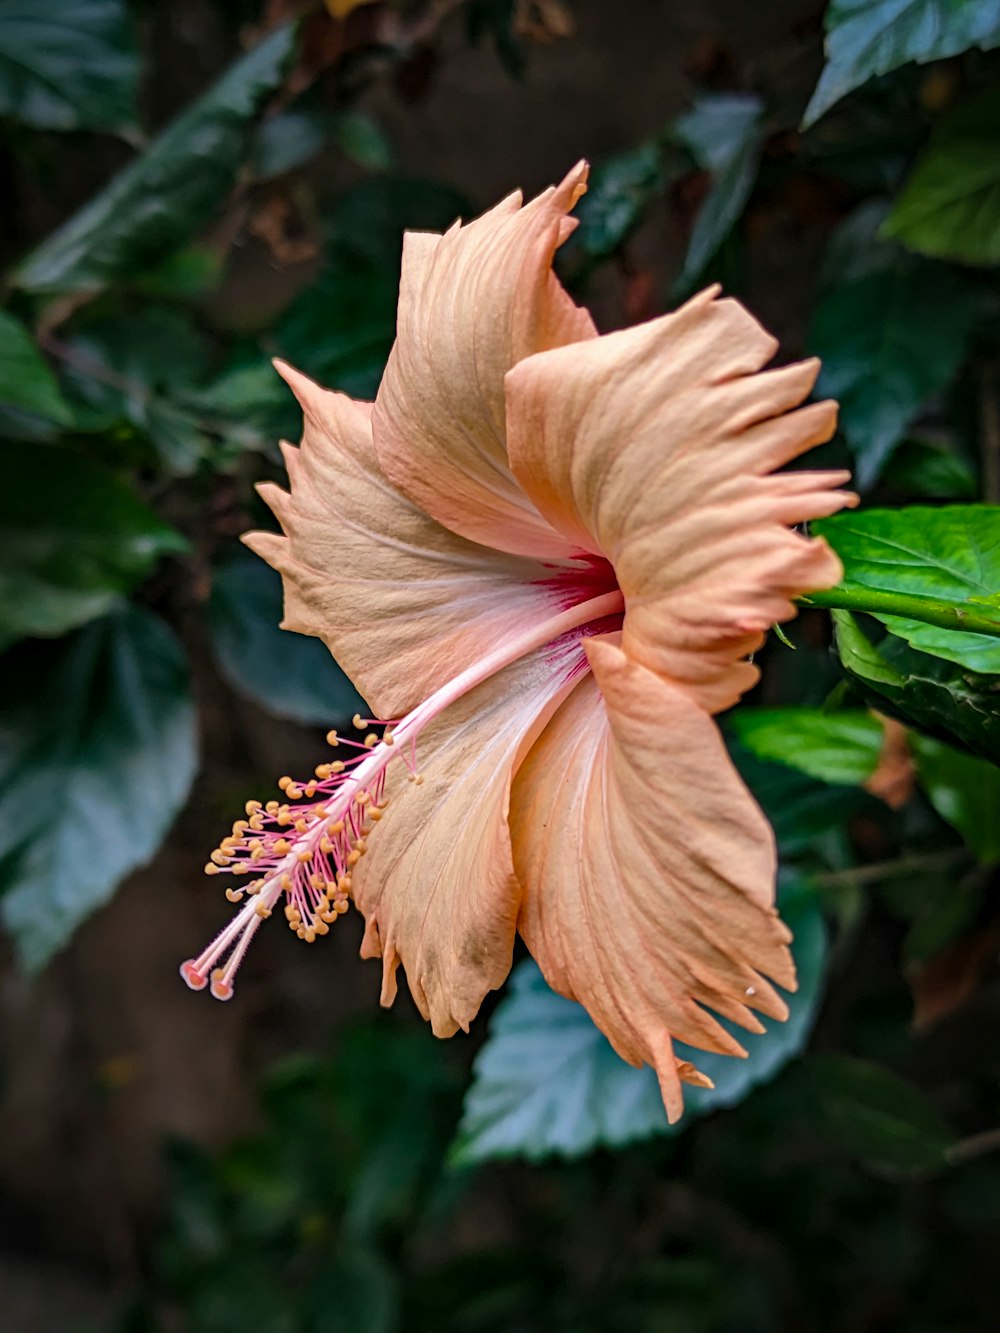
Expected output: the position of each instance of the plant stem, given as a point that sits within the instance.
(911, 606)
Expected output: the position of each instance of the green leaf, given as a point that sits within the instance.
(133, 374)
(949, 554)
(168, 193)
(76, 540)
(68, 64)
(936, 696)
(97, 758)
(927, 469)
(547, 1081)
(724, 134)
(950, 205)
(876, 1115)
(26, 382)
(891, 329)
(965, 792)
(619, 191)
(289, 674)
(839, 747)
(867, 38)
(804, 812)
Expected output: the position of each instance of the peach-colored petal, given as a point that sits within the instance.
(656, 446)
(647, 869)
(437, 885)
(403, 603)
(471, 304)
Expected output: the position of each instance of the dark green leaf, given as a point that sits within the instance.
(68, 64)
(619, 191)
(26, 382)
(136, 377)
(75, 540)
(964, 790)
(805, 813)
(547, 1081)
(891, 329)
(97, 757)
(724, 134)
(936, 696)
(355, 1293)
(168, 193)
(290, 674)
(926, 469)
(877, 1116)
(950, 206)
(949, 554)
(839, 747)
(359, 137)
(340, 329)
(866, 38)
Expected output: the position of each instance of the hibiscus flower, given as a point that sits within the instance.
(545, 558)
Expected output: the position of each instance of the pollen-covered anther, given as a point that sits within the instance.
(234, 895)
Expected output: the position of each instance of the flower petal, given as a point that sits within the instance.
(647, 869)
(403, 603)
(656, 446)
(437, 885)
(471, 304)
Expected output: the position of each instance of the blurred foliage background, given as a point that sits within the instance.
(190, 189)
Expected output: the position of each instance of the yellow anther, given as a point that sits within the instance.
(292, 912)
(212, 869)
(321, 927)
(325, 846)
(252, 807)
(361, 846)
(309, 935)
(340, 906)
(284, 817)
(328, 916)
(354, 857)
(317, 882)
(234, 895)
(262, 909)
(293, 792)
(375, 813)
(241, 868)
(343, 883)
(310, 789)
(322, 771)
(286, 882)
(239, 828)
(371, 740)
(256, 885)
(272, 807)
(387, 737)
(282, 847)
(301, 825)
(357, 722)
(336, 826)
(305, 857)
(332, 738)
(220, 858)
(227, 843)
(257, 823)
(284, 782)
(257, 852)
(419, 779)
(363, 797)
(337, 766)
